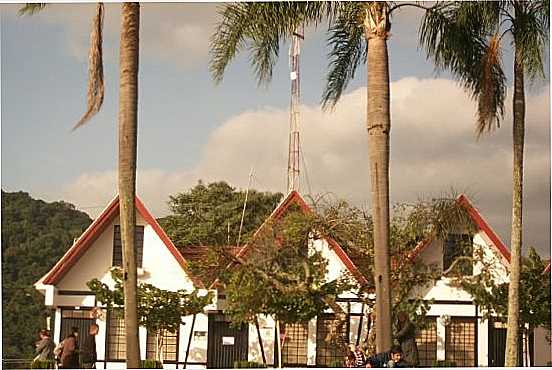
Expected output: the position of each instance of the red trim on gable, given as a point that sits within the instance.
(94, 231)
(83, 242)
(481, 224)
(295, 198)
(166, 240)
(547, 268)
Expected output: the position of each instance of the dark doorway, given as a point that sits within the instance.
(78, 318)
(497, 344)
(225, 344)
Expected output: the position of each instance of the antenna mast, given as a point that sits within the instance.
(294, 148)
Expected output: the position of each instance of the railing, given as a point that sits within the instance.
(16, 363)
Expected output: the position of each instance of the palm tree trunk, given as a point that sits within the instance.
(378, 126)
(517, 203)
(128, 112)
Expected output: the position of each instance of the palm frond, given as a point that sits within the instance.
(31, 8)
(348, 49)
(530, 31)
(95, 93)
(455, 36)
(259, 28)
(491, 89)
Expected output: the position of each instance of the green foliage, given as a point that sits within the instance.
(158, 310)
(280, 276)
(444, 363)
(492, 295)
(35, 235)
(47, 364)
(248, 365)
(151, 364)
(203, 215)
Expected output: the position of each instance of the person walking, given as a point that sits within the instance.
(44, 347)
(406, 336)
(88, 354)
(360, 360)
(69, 351)
(391, 358)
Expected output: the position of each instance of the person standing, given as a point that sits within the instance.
(406, 336)
(44, 347)
(69, 352)
(88, 354)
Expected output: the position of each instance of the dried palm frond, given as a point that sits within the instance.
(489, 95)
(31, 8)
(95, 93)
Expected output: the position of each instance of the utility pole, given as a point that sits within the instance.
(293, 154)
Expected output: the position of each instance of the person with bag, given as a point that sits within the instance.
(69, 352)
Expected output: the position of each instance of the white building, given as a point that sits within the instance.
(456, 331)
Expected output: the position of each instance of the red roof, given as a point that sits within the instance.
(547, 268)
(480, 223)
(295, 198)
(84, 242)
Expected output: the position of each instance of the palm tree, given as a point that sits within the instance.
(128, 104)
(358, 34)
(466, 39)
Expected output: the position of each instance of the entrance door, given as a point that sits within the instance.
(225, 344)
(75, 318)
(497, 344)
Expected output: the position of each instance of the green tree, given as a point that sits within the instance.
(211, 214)
(128, 122)
(35, 234)
(159, 311)
(466, 38)
(358, 33)
(490, 293)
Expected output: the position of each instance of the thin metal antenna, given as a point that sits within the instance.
(294, 144)
(244, 205)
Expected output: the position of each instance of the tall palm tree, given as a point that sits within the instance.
(128, 112)
(358, 34)
(466, 38)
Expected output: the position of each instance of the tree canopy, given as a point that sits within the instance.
(35, 234)
(211, 214)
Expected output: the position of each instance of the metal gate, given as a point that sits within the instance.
(497, 344)
(78, 318)
(225, 344)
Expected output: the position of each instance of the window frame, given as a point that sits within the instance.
(151, 352)
(117, 246)
(458, 242)
(108, 334)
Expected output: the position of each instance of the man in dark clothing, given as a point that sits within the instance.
(392, 358)
(88, 355)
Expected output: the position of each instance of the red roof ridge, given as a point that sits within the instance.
(280, 209)
(85, 240)
(476, 216)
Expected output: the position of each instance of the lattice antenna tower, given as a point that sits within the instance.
(294, 117)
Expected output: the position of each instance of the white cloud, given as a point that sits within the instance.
(176, 32)
(433, 147)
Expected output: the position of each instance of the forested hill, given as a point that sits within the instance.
(35, 234)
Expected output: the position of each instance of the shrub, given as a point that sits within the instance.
(248, 365)
(46, 364)
(151, 364)
(336, 363)
(444, 363)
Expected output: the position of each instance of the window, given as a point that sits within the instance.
(169, 346)
(118, 248)
(426, 339)
(328, 353)
(116, 340)
(294, 348)
(460, 341)
(458, 245)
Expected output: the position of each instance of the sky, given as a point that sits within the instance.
(191, 129)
